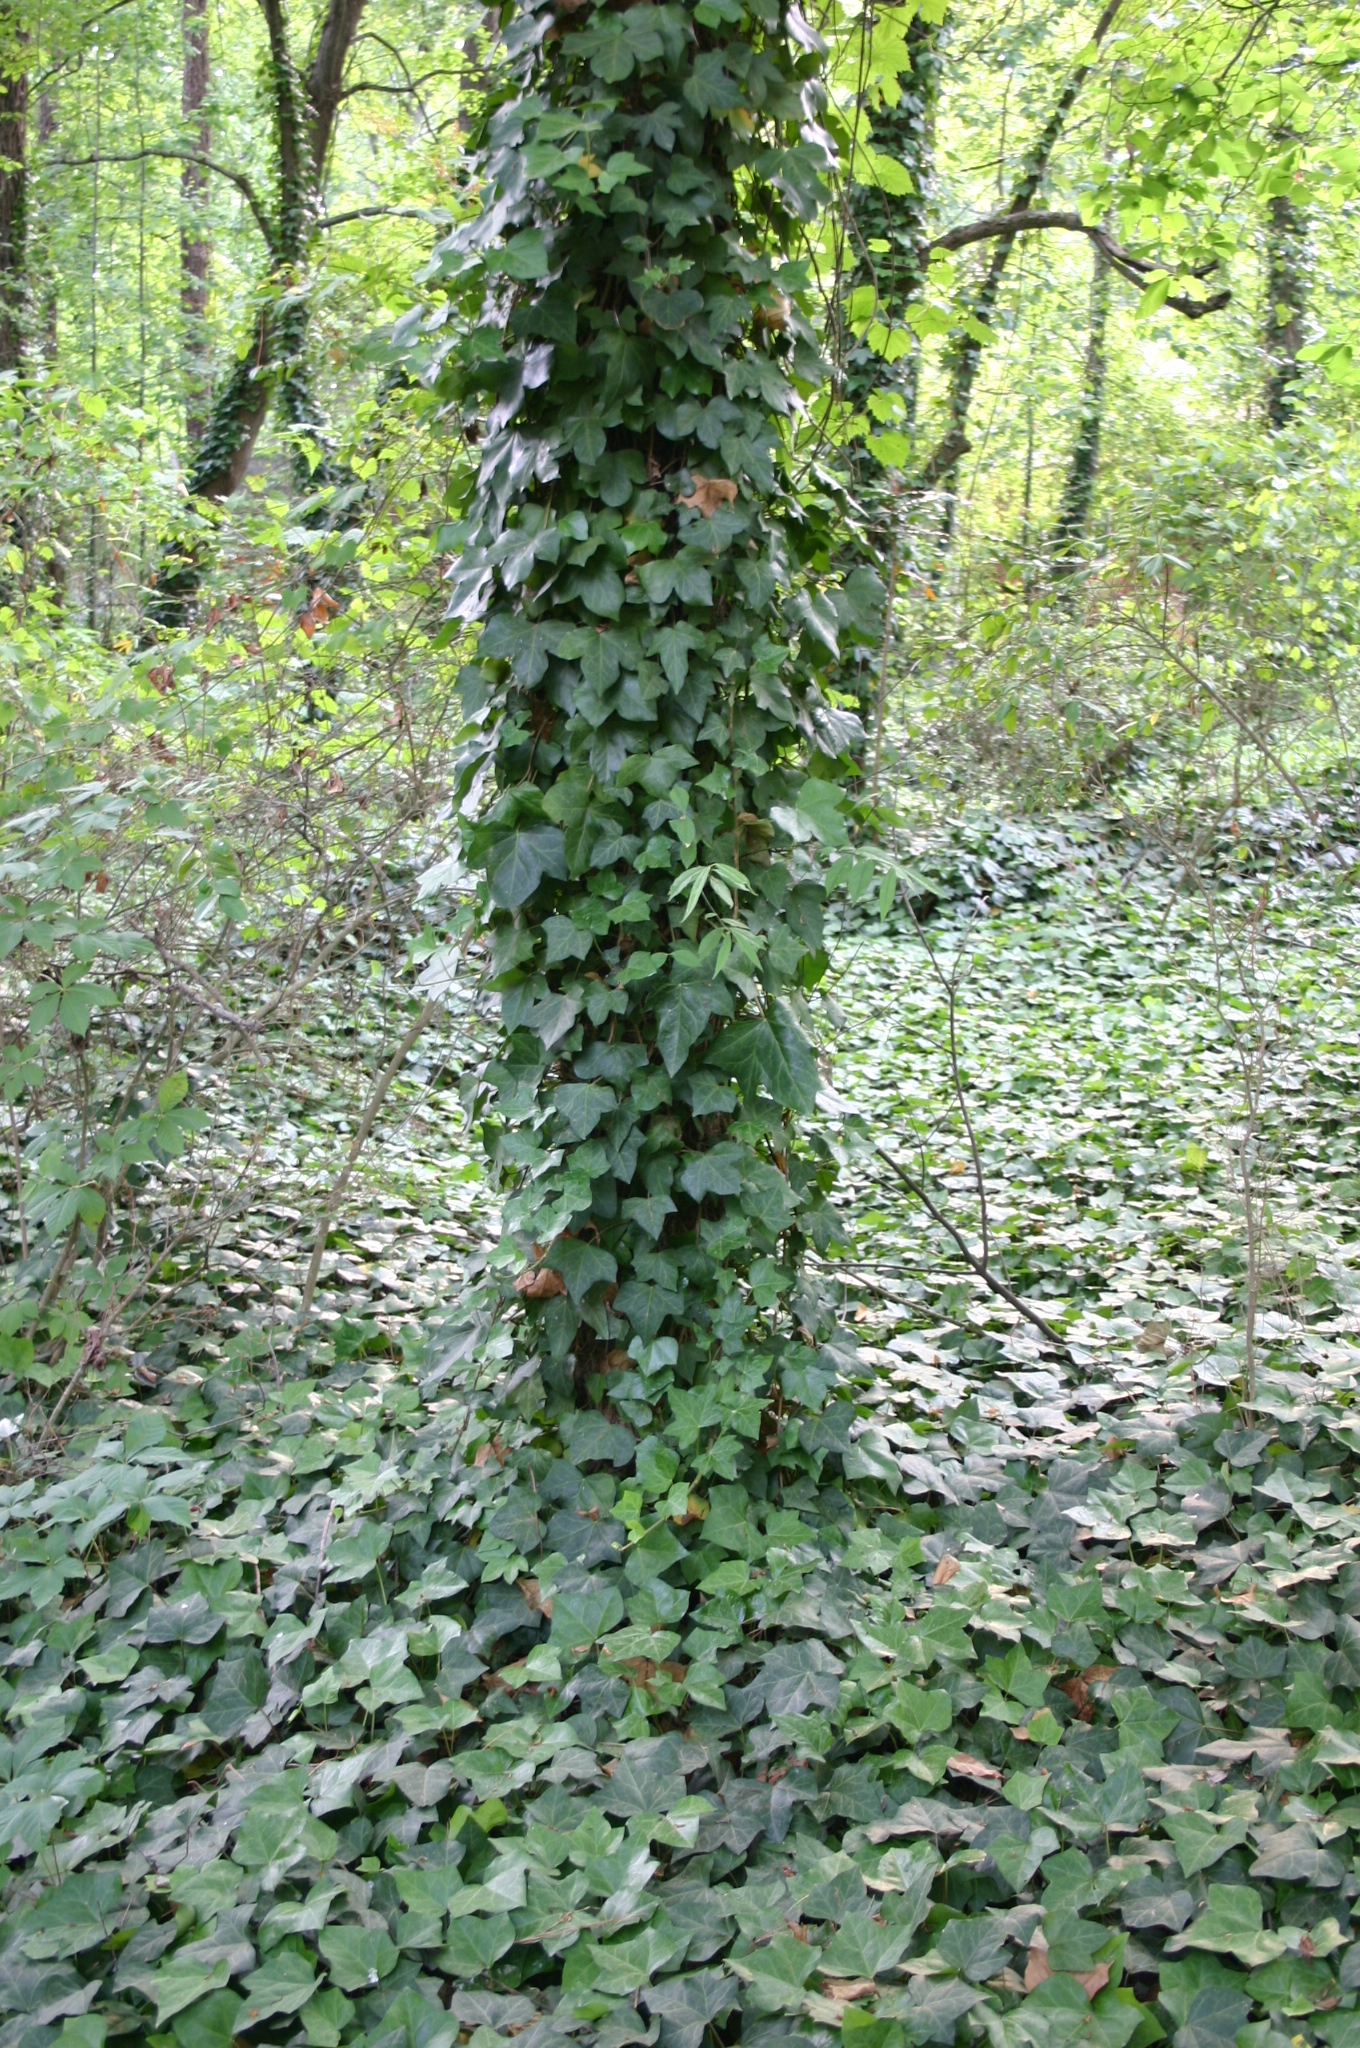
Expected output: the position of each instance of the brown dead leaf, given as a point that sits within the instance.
(536, 1601)
(948, 1568)
(321, 607)
(775, 316)
(484, 1452)
(1095, 1980)
(709, 492)
(843, 1989)
(1076, 1691)
(540, 1283)
(961, 1766)
(1096, 1674)
(1037, 1971)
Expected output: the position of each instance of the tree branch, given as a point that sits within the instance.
(1136, 269)
(411, 85)
(179, 156)
(326, 79)
(828, 1099)
(980, 1266)
(434, 216)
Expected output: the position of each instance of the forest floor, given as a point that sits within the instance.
(1029, 1697)
(1119, 1024)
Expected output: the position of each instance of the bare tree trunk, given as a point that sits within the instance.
(1286, 307)
(1079, 487)
(13, 214)
(966, 356)
(195, 249)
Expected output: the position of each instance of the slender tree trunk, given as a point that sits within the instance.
(303, 119)
(1286, 307)
(1079, 488)
(47, 307)
(13, 216)
(195, 249)
(891, 230)
(966, 356)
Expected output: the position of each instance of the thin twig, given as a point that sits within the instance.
(980, 1266)
(889, 611)
(181, 156)
(361, 1136)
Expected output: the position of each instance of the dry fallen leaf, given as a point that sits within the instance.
(1037, 1971)
(945, 1570)
(973, 1767)
(540, 1283)
(843, 1989)
(709, 492)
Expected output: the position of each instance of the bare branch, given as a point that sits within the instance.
(179, 156)
(1137, 269)
(404, 91)
(980, 1266)
(326, 78)
(434, 216)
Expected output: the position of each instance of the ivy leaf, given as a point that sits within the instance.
(581, 1616)
(1292, 1856)
(211, 2023)
(476, 1943)
(238, 1690)
(682, 1012)
(358, 1957)
(180, 1982)
(282, 1985)
(524, 256)
(1200, 1840)
(771, 1054)
(1232, 1925)
(717, 1172)
(517, 863)
(776, 1973)
(582, 1104)
(581, 1264)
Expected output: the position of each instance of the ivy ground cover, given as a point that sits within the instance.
(1009, 1695)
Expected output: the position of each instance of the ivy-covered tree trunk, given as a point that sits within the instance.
(892, 229)
(649, 710)
(14, 294)
(195, 250)
(1286, 306)
(272, 365)
(1079, 485)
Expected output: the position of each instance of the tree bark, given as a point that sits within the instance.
(13, 214)
(1079, 487)
(966, 356)
(195, 249)
(1286, 307)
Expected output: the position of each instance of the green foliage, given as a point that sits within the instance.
(661, 643)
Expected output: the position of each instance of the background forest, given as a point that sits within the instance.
(678, 1167)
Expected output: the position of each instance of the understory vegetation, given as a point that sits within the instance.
(679, 1169)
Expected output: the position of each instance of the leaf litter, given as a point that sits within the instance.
(1017, 1698)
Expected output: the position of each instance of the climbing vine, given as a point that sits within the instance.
(653, 710)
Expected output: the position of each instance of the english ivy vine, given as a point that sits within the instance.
(654, 708)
